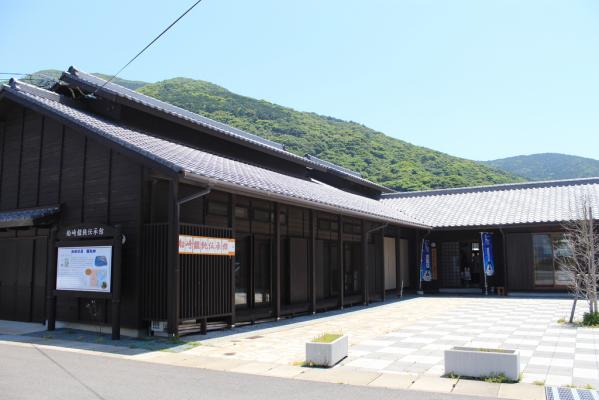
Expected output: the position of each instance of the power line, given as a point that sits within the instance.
(148, 45)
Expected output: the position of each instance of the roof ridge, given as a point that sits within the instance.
(16, 84)
(263, 182)
(117, 90)
(493, 188)
(180, 111)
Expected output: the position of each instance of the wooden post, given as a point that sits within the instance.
(116, 283)
(232, 199)
(51, 281)
(365, 271)
(592, 261)
(418, 256)
(398, 277)
(277, 255)
(380, 247)
(504, 255)
(340, 252)
(313, 225)
(173, 266)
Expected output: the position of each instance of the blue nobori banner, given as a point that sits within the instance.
(426, 272)
(487, 246)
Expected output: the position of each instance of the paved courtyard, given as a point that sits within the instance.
(409, 337)
(396, 345)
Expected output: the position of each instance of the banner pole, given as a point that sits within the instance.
(486, 287)
(420, 266)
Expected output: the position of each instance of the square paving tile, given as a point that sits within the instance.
(369, 363)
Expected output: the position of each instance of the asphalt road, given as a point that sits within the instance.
(35, 373)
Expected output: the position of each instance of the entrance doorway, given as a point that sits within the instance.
(253, 274)
(390, 264)
(23, 278)
(461, 265)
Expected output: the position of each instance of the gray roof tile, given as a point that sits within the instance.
(113, 89)
(523, 203)
(184, 159)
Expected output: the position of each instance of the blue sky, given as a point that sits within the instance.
(476, 79)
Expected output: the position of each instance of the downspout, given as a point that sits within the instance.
(194, 196)
(174, 265)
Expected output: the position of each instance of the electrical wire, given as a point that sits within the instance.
(147, 46)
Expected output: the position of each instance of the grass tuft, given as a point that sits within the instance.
(327, 337)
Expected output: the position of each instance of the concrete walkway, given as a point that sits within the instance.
(396, 345)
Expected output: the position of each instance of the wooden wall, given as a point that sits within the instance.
(520, 261)
(45, 163)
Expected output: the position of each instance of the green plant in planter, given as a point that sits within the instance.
(591, 319)
(327, 337)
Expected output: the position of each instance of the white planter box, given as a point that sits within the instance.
(327, 354)
(477, 362)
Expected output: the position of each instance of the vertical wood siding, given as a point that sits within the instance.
(44, 163)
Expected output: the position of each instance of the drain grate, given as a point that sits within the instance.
(566, 393)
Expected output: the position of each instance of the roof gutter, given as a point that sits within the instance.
(231, 187)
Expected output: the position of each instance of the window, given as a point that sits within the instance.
(549, 249)
(352, 229)
(263, 215)
(327, 225)
(218, 208)
(242, 212)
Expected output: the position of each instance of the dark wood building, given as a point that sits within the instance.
(525, 220)
(309, 235)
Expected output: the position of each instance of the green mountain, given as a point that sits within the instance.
(383, 159)
(548, 166)
(380, 158)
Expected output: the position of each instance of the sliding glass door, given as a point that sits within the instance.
(549, 253)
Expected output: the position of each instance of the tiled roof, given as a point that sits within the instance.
(347, 174)
(26, 216)
(512, 204)
(118, 90)
(219, 171)
(112, 89)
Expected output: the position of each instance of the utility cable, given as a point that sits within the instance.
(147, 46)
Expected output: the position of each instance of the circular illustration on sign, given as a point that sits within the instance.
(88, 271)
(427, 275)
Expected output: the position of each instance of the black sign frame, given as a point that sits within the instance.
(86, 235)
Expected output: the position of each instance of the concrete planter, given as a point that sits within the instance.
(478, 363)
(327, 354)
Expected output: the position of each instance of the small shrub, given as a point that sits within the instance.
(501, 378)
(588, 387)
(591, 319)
